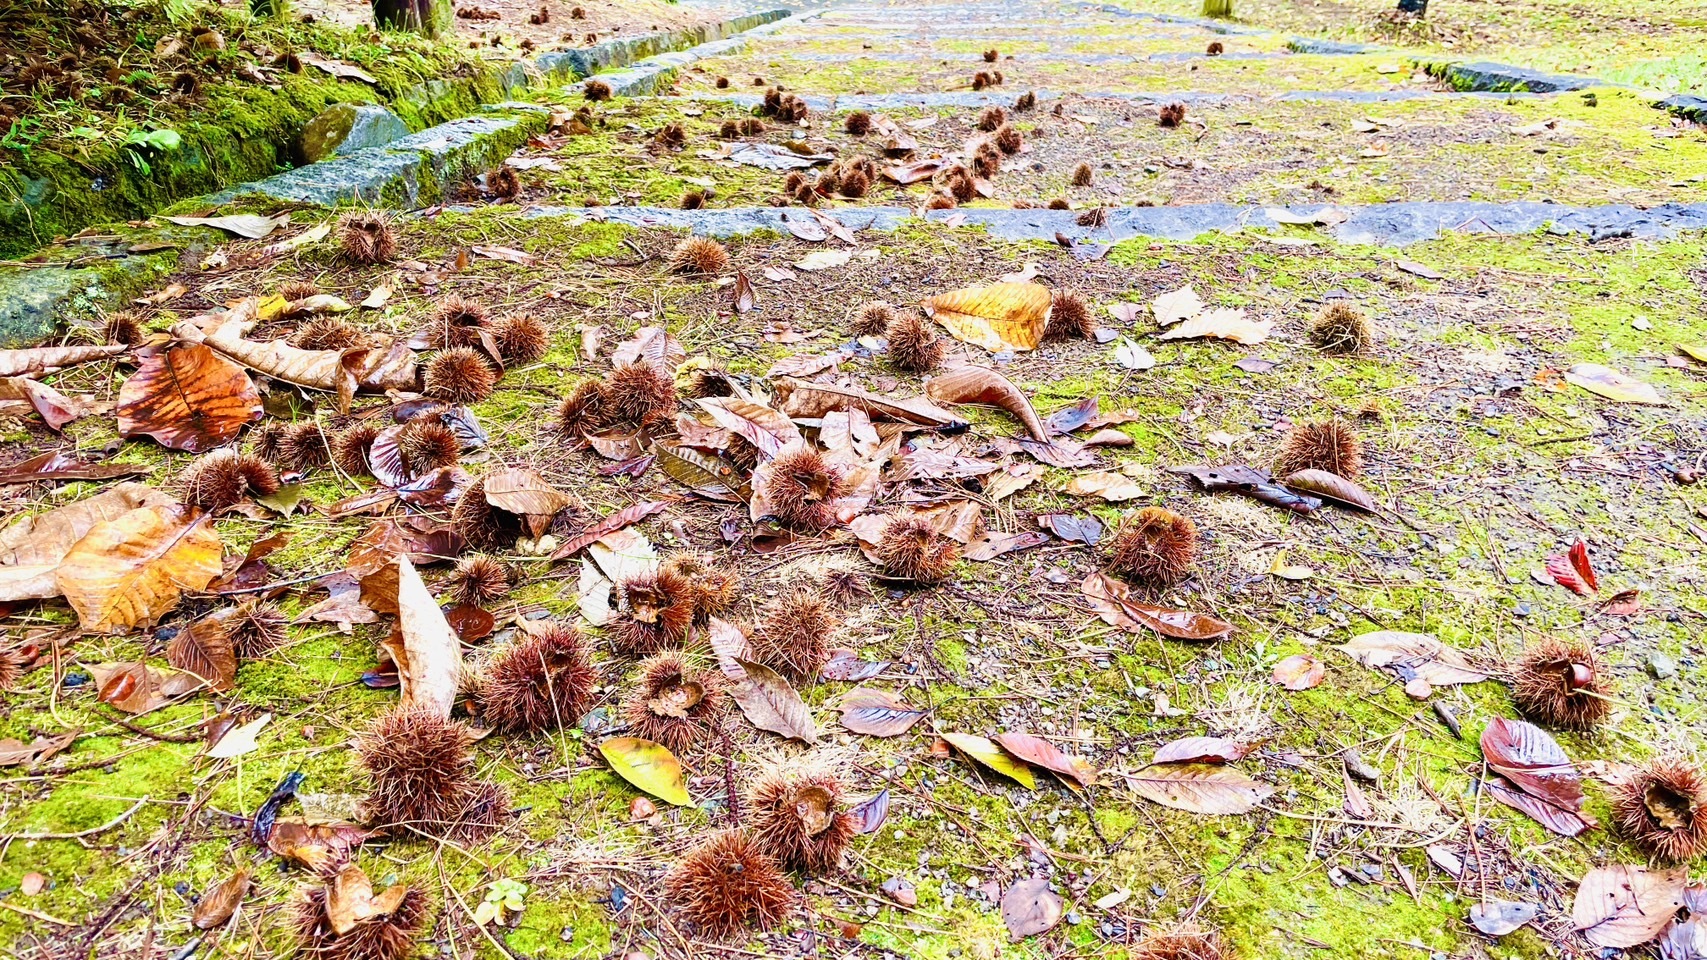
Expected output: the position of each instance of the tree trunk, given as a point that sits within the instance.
(1416, 7)
(430, 18)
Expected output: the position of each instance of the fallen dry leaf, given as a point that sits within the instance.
(1613, 384)
(218, 904)
(877, 713)
(133, 569)
(1202, 750)
(1299, 672)
(1223, 324)
(1199, 788)
(1413, 654)
(137, 687)
(771, 703)
(990, 754)
(1112, 601)
(37, 360)
(428, 654)
(1623, 906)
(1030, 908)
(1172, 307)
(1001, 316)
(985, 386)
(188, 398)
(1042, 753)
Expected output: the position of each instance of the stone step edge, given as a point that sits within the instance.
(99, 270)
(1389, 224)
(413, 171)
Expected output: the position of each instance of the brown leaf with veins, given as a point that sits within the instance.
(38, 360)
(188, 398)
(1624, 906)
(428, 654)
(1112, 601)
(204, 649)
(1075, 771)
(56, 409)
(1199, 788)
(139, 688)
(218, 904)
(985, 386)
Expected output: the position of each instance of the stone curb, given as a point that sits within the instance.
(1391, 224)
(85, 276)
(412, 171)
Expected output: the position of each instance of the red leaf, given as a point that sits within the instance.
(1538, 768)
(1579, 562)
(1046, 755)
(188, 398)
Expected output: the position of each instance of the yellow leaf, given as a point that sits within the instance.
(134, 569)
(1288, 571)
(649, 766)
(1001, 316)
(1223, 323)
(986, 752)
(1613, 384)
(1697, 351)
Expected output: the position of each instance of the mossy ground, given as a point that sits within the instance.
(1646, 43)
(1485, 463)
(1489, 468)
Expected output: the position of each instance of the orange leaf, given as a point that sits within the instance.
(134, 569)
(188, 398)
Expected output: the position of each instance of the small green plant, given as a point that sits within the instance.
(22, 135)
(502, 897)
(139, 143)
(1219, 9)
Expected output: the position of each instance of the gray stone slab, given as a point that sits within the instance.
(344, 128)
(1689, 108)
(1482, 75)
(1393, 224)
(1329, 47)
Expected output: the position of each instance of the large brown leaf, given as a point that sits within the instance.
(1413, 654)
(188, 398)
(1041, 752)
(1199, 788)
(771, 703)
(37, 360)
(809, 401)
(428, 654)
(54, 465)
(1537, 766)
(1113, 602)
(134, 569)
(314, 845)
(204, 649)
(767, 429)
(1330, 487)
(1565, 823)
(1624, 906)
(341, 372)
(986, 386)
(1001, 316)
(46, 537)
(525, 494)
(877, 713)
